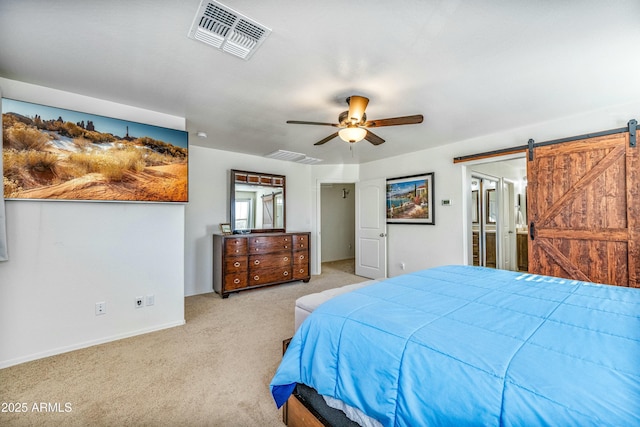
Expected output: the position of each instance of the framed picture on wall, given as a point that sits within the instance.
(410, 200)
(52, 153)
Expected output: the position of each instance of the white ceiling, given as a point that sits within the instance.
(471, 67)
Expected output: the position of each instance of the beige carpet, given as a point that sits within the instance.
(213, 371)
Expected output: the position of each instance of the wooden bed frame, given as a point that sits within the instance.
(296, 412)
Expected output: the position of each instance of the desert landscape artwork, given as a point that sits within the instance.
(54, 153)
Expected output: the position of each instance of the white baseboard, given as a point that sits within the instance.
(66, 349)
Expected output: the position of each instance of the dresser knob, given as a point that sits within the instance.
(236, 264)
(286, 258)
(286, 273)
(302, 270)
(256, 277)
(256, 262)
(236, 281)
(301, 256)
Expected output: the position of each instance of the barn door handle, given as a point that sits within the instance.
(532, 231)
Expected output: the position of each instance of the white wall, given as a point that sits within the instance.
(424, 246)
(66, 256)
(209, 205)
(446, 242)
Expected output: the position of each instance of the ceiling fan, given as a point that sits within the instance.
(354, 124)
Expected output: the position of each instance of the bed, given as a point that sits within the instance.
(462, 345)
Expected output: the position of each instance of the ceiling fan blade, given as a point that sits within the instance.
(327, 139)
(300, 122)
(357, 105)
(406, 120)
(373, 138)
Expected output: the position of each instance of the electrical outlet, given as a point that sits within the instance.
(150, 299)
(101, 308)
(139, 302)
(402, 266)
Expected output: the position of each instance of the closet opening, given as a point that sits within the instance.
(497, 216)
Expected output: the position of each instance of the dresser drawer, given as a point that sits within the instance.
(235, 281)
(235, 264)
(272, 275)
(235, 246)
(301, 271)
(300, 241)
(257, 262)
(266, 244)
(300, 258)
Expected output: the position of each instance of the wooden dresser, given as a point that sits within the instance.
(253, 260)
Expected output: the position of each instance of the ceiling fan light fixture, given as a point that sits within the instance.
(352, 134)
(357, 105)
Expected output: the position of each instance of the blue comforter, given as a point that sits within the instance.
(460, 345)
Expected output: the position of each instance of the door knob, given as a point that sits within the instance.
(383, 234)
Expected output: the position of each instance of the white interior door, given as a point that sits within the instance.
(506, 226)
(371, 229)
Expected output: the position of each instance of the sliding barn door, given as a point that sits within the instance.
(584, 210)
(267, 211)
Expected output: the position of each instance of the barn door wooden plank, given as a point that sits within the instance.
(583, 195)
(578, 187)
(633, 213)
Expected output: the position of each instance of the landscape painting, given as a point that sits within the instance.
(54, 153)
(410, 200)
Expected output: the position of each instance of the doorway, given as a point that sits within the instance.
(484, 220)
(337, 225)
(497, 214)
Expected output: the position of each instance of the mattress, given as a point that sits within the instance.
(306, 304)
(470, 345)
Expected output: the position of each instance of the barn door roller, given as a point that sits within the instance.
(633, 124)
(530, 144)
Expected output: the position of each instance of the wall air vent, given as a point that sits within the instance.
(223, 28)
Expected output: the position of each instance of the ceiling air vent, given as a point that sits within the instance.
(293, 157)
(223, 28)
(285, 155)
(309, 160)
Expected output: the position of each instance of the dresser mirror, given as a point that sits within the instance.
(257, 202)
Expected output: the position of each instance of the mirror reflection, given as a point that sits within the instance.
(492, 206)
(257, 201)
